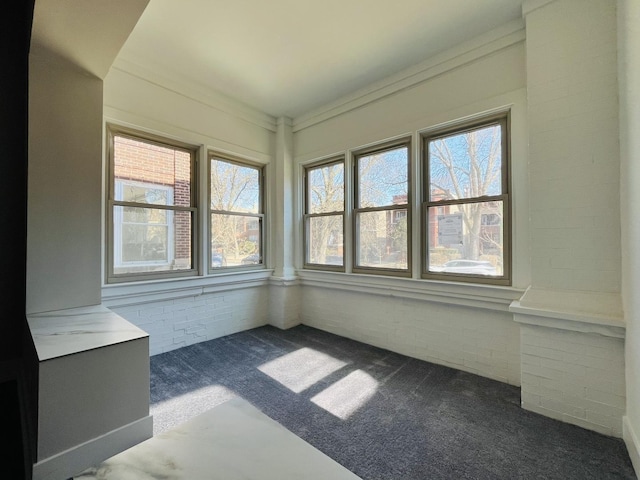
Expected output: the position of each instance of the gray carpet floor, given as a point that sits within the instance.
(380, 414)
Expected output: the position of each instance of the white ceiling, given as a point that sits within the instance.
(282, 57)
(288, 57)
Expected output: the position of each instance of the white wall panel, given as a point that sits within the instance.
(65, 178)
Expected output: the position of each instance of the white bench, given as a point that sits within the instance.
(93, 388)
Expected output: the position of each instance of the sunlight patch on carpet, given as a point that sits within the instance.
(301, 369)
(347, 396)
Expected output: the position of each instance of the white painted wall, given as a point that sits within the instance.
(629, 82)
(177, 320)
(131, 99)
(64, 210)
(573, 146)
(191, 310)
(463, 90)
(575, 377)
(479, 341)
(485, 342)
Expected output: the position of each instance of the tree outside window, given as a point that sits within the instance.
(381, 208)
(236, 218)
(467, 201)
(324, 215)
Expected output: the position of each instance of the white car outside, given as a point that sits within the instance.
(474, 267)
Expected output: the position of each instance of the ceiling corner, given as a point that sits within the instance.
(87, 33)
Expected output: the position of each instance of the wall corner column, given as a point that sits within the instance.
(571, 317)
(283, 300)
(629, 91)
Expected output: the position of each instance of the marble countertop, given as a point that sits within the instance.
(65, 332)
(232, 441)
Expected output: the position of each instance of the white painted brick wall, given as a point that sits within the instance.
(482, 342)
(175, 323)
(573, 145)
(284, 305)
(574, 377)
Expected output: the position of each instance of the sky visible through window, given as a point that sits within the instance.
(466, 165)
(383, 178)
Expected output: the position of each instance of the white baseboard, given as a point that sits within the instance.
(77, 459)
(633, 443)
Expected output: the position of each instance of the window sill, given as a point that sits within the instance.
(586, 312)
(488, 297)
(135, 293)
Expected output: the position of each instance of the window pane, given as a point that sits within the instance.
(325, 237)
(144, 215)
(235, 240)
(326, 188)
(131, 192)
(382, 239)
(466, 239)
(151, 240)
(234, 188)
(145, 243)
(139, 166)
(383, 178)
(466, 165)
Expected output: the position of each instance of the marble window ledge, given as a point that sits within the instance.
(66, 332)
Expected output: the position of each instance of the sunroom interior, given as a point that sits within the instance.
(560, 75)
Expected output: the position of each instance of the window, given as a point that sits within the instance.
(381, 210)
(236, 213)
(152, 209)
(466, 207)
(143, 236)
(324, 216)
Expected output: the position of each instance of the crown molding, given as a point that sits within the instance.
(200, 93)
(284, 121)
(529, 6)
(467, 52)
